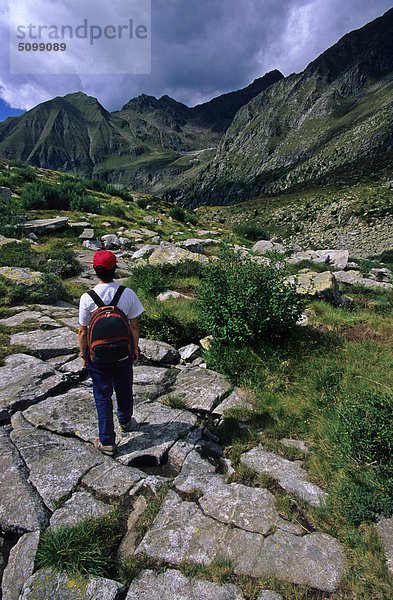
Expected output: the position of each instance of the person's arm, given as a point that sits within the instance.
(82, 335)
(135, 337)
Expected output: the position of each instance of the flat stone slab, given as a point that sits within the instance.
(316, 285)
(200, 389)
(356, 278)
(20, 565)
(46, 584)
(24, 381)
(181, 532)
(21, 509)
(160, 428)
(56, 464)
(47, 343)
(292, 443)
(145, 375)
(111, 480)
(45, 225)
(72, 413)
(289, 474)
(251, 509)
(36, 318)
(385, 533)
(190, 352)
(173, 585)
(79, 507)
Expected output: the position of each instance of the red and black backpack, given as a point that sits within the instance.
(109, 337)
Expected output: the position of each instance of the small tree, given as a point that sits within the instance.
(241, 301)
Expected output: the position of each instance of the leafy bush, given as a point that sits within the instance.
(56, 260)
(364, 437)
(241, 301)
(46, 292)
(113, 209)
(154, 279)
(142, 203)
(85, 204)
(179, 214)
(10, 217)
(69, 194)
(88, 548)
(251, 231)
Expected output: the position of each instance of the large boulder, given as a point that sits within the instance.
(265, 246)
(316, 285)
(356, 278)
(337, 258)
(24, 381)
(21, 276)
(173, 255)
(45, 225)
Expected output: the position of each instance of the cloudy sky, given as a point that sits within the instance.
(199, 48)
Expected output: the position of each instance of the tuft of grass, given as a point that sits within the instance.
(88, 548)
(174, 401)
(152, 510)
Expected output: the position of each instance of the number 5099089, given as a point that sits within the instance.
(42, 47)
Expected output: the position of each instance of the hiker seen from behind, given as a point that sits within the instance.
(108, 340)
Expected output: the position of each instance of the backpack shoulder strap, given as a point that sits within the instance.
(96, 299)
(116, 297)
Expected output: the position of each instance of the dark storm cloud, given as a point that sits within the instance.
(201, 48)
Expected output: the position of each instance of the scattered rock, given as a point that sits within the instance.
(37, 319)
(206, 342)
(20, 565)
(298, 444)
(264, 246)
(269, 595)
(4, 240)
(200, 389)
(239, 398)
(337, 258)
(45, 225)
(79, 507)
(289, 474)
(159, 352)
(110, 241)
(128, 543)
(192, 246)
(385, 533)
(189, 353)
(143, 252)
(24, 381)
(21, 509)
(356, 278)
(47, 343)
(55, 463)
(87, 234)
(172, 585)
(383, 275)
(45, 584)
(93, 245)
(170, 295)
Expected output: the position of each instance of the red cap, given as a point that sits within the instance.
(105, 259)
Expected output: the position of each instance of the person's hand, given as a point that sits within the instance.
(135, 355)
(83, 359)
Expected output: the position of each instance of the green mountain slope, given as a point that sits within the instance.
(333, 122)
(146, 145)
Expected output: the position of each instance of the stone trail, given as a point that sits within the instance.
(51, 475)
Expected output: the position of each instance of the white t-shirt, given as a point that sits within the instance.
(129, 302)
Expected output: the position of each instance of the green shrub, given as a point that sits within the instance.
(142, 203)
(10, 217)
(179, 214)
(88, 548)
(46, 292)
(113, 209)
(241, 301)
(251, 231)
(57, 260)
(85, 204)
(150, 279)
(364, 436)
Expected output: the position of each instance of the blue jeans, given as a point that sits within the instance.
(107, 378)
